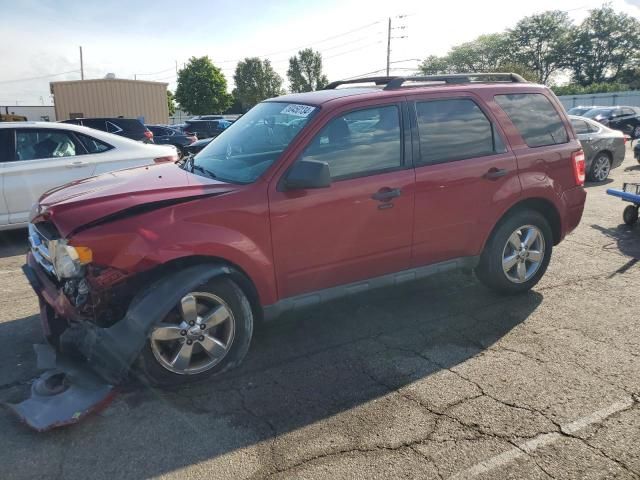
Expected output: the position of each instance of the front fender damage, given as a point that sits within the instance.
(93, 360)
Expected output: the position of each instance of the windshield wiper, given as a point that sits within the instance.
(190, 166)
(207, 173)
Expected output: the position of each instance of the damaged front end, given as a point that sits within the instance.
(97, 319)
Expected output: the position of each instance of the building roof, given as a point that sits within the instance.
(106, 80)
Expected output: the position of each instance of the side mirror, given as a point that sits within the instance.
(308, 174)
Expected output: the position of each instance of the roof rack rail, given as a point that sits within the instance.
(458, 78)
(376, 80)
(392, 83)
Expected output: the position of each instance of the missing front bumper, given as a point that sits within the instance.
(63, 395)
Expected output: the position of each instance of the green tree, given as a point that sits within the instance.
(486, 53)
(305, 71)
(603, 45)
(171, 103)
(435, 65)
(540, 43)
(521, 70)
(255, 81)
(202, 88)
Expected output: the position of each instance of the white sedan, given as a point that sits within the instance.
(38, 156)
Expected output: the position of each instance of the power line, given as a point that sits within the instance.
(39, 78)
(230, 71)
(157, 73)
(310, 43)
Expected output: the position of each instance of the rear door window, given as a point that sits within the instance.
(6, 145)
(535, 118)
(33, 144)
(359, 143)
(455, 129)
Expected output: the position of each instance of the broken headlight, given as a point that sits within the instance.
(67, 260)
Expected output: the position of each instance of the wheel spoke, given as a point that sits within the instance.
(522, 271)
(515, 240)
(216, 316)
(214, 347)
(535, 255)
(509, 262)
(530, 237)
(188, 308)
(164, 334)
(182, 359)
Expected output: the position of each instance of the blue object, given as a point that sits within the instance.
(626, 196)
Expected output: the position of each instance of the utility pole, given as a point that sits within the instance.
(388, 46)
(389, 38)
(81, 66)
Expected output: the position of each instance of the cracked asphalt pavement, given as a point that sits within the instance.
(437, 379)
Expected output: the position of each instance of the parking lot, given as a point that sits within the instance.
(438, 379)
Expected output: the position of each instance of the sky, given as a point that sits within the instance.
(146, 39)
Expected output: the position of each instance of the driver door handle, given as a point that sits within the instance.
(386, 194)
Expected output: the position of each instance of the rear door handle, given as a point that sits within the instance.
(76, 164)
(495, 173)
(386, 194)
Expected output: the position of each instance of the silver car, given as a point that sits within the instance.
(603, 147)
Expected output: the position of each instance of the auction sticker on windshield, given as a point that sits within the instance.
(297, 110)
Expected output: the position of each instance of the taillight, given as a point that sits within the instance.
(577, 159)
(148, 134)
(168, 158)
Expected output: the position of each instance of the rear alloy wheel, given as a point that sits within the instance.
(208, 332)
(523, 254)
(600, 168)
(636, 132)
(517, 253)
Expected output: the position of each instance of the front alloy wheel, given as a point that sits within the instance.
(206, 333)
(200, 340)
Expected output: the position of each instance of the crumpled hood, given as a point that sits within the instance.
(78, 203)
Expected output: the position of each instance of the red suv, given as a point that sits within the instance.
(306, 198)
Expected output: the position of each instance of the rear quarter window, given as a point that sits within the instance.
(538, 122)
(130, 125)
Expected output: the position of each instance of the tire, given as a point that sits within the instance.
(500, 247)
(228, 339)
(630, 214)
(600, 167)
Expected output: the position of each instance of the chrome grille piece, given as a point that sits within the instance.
(40, 249)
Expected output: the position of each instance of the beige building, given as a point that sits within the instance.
(111, 97)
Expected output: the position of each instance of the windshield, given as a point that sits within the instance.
(598, 112)
(250, 145)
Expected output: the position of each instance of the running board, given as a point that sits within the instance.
(321, 296)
